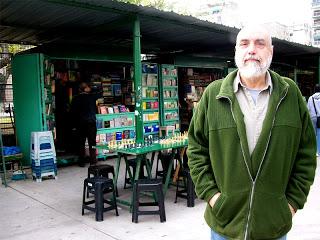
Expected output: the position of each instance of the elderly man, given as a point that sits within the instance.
(252, 147)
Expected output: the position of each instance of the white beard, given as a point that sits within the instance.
(252, 69)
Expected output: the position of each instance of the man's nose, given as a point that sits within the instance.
(252, 48)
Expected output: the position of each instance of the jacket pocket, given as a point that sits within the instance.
(271, 216)
(229, 208)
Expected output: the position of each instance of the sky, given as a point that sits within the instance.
(287, 12)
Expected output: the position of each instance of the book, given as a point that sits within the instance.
(155, 104)
(115, 109)
(155, 93)
(148, 105)
(144, 92)
(110, 110)
(122, 108)
(99, 123)
(72, 76)
(126, 134)
(103, 110)
(102, 138)
(116, 89)
(106, 124)
(144, 79)
(109, 137)
(49, 109)
(117, 122)
(132, 134)
(112, 125)
(130, 121)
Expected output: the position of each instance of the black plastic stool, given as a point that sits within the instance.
(187, 190)
(101, 170)
(148, 185)
(165, 158)
(133, 164)
(97, 186)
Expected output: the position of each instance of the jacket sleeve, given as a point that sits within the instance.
(303, 170)
(198, 153)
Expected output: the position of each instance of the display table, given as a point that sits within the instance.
(140, 153)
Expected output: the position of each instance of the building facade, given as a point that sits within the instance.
(316, 22)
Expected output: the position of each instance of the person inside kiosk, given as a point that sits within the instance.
(83, 112)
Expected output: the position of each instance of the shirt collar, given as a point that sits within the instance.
(237, 82)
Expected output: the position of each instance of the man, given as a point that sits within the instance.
(83, 111)
(314, 110)
(252, 148)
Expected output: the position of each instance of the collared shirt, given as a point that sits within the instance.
(254, 111)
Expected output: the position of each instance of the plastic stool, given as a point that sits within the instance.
(165, 159)
(133, 164)
(148, 185)
(102, 170)
(97, 186)
(188, 188)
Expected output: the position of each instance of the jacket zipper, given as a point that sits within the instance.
(246, 236)
(254, 181)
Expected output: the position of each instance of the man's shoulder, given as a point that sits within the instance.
(285, 81)
(282, 78)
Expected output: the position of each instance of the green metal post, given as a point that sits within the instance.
(4, 176)
(295, 75)
(137, 80)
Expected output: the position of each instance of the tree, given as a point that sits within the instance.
(6, 52)
(159, 4)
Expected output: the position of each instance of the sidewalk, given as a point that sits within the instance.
(51, 210)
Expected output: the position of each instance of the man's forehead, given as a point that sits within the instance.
(253, 33)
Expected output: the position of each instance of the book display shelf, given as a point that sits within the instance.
(150, 100)
(111, 80)
(169, 96)
(48, 96)
(113, 128)
(194, 81)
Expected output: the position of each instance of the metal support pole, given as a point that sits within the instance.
(4, 175)
(137, 80)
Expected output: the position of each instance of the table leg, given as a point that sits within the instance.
(116, 175)
(167, 182)
(136, 177)
(152, 158)
(179, 165)
(148, 164)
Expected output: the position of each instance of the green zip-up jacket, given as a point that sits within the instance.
(255, 190)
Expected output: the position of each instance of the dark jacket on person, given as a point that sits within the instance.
(83, 107)
(255, 189)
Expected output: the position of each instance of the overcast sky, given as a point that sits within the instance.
(283, 11)
(287, 12)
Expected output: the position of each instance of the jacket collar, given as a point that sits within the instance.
(227, 90)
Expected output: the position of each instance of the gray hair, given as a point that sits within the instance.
(257, 28)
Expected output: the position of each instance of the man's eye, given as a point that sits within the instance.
(243, 44)
(261, 44)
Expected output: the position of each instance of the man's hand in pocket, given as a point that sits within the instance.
(214, 199)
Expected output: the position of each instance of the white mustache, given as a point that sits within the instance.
(253, 58)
